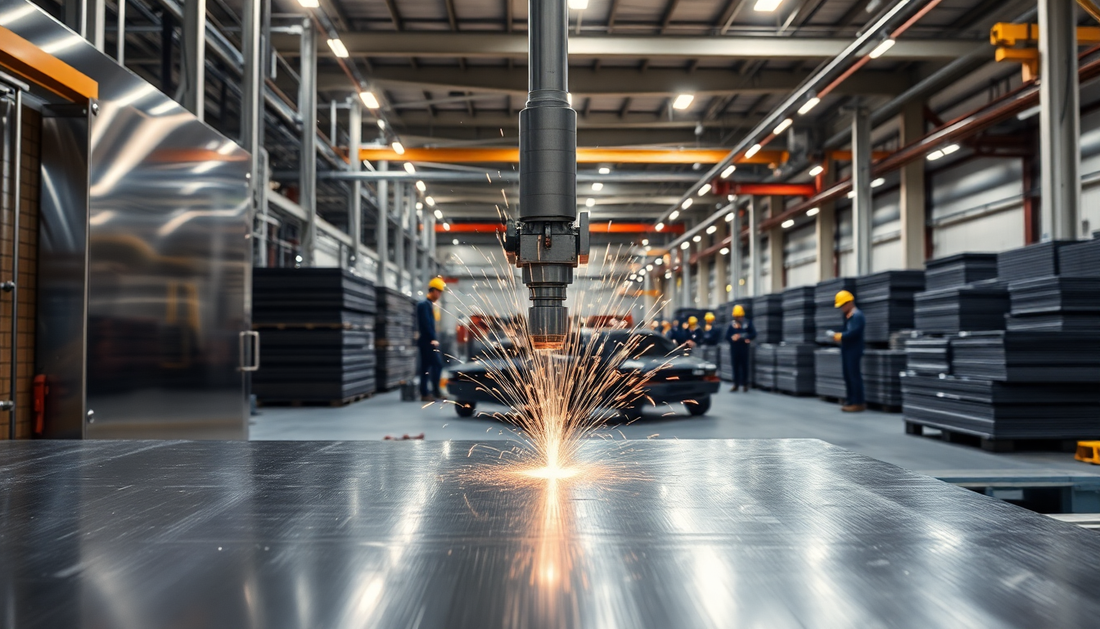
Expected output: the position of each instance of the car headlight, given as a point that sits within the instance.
(632, 365)
(698, 371)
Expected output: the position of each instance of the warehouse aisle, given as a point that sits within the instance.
(733, 415)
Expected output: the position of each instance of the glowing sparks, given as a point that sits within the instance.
(555, 473)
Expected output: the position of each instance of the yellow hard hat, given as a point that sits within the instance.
(437, 283)
(738, 310)
(709, 317)
(693, 320)
(842, 298)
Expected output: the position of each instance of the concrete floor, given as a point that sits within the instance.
(732, 415)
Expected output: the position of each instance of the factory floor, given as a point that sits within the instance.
(755, 415)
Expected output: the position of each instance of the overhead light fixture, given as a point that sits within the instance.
(421, 187)
(696, 238)
(1028, 113)
(597, 186)
(398, 148)
(752, 151)
(589, 202)
(782, 126)
(813, 211)
(728, 171)
(430, 201)
(645, 241)
(668, 275)
(409, 168)
(949, 149)
(371, 101)
(934, 155)
(881, 49)
(578, 5)
(766, 6)
(647, 248)
(309, 4)
(381, 124)
(685, 245)
(446, 227)
(419, 205)
(683, 101)
(605, 171)
(633, 277)
(687, 203)
(649, 267)
(808, 105)
(438, 214)
(712, 229)
(454, 241)
(675, 214)
(878, 182)
(705, 189)
(817, 170)
(659, 261)
(787, 224)
(851, 194)
(338, 48)
(659, 227)
(724, 251)
(729, 217)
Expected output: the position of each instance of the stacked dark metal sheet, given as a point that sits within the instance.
(725, 362)
(882, 370)
(959, 270)
(828, 373)
(765, 366)
(826, 316)
(928, 355)
(1055, 303)
(997, 410)
(979, 306)
(768, 318)
(798, 315)
(1038, 260)
(1030, 357)
(396, 332)
(1080, 259)
(794, 368)
(886, 300)
(317, 335)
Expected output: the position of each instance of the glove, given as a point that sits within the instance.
(736, 337)
(837, 336)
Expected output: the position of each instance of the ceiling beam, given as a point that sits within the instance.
(585, 155)
(495, 45)
(496, 120)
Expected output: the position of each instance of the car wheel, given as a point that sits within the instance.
(465, 409)
(698, 407)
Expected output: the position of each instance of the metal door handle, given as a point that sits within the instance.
(255, 353)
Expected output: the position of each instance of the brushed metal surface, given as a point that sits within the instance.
(782, 533)
(168, 254)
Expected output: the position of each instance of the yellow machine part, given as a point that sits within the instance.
(1088, 452)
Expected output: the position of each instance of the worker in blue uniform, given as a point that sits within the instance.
(740, 335)
(675, 333)
(711, 335)
(431, 359)
(851, 351)
(692, 333)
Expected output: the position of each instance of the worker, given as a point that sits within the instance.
(693, 335)
(655, 326)
(665, 327)
(740, 334)
(710, 331)
(674, 332)
(431, 359)
(851, 351)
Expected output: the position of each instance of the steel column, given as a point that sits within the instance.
(755, 242)
(194, 56)
(736, 269)
(251, 112)
(382, 227)
(912, 190)
(685, 273)
(1059, 120)
(120, 45)
(400, 198)
(307, 166)
(412, 252)
(862, 208)
(702, 283)
(12, 155)
(721, 266)
(92, 21)
(775, 260)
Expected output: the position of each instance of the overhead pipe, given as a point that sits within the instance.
(494, 177)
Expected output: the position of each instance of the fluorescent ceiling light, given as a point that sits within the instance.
(438, 214)
(659, 261)
(578, 5)
(724, 251)
(421, 187)
(447, 228)
(766, 6)
(687, 203)
(696, 238)
(675, 214)
(597, 186)
(787, 224)
(659, 227)
(782, 126)
(430, 201)
(309, 4)
(371, 101)
(605, 171)
(685, 245)
(645, 241)
(633, 277)
(752, 151)
(683, 101)
(712, 229)
(398, 148)
(668, 275)
(729, 217)
(705, 189)
(1028, 113)
(851, 194)
(813, 211)
(649, 267)
(947, 150)
(817, 170)
(881, 49)
(878, 182)
(409, 168)
(589, 202)
(454, 241)
(338, 48)
(808, 105)
(419, 205)
(728, 171)
(934, 155)
(381, 124)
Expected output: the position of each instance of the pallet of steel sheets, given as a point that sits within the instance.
(1080, 259)
(794, 368)
(321, 365)
(1056, 322)
(898, 285)
(798, 315)
(979, 306)
(886, 300)
(1049, 295)
(959, 270)
(1038, 260)
(882, 370)
(725, 362)
(826, 315)
(928, 355)
(332, 392)
(768, 318)
(828, 373)
(276, 289)
(764, 366)
(396, 365)
(1027, 356)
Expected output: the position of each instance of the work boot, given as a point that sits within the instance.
(733, 389)
(853, 408)
(427, 398)
(745, 388)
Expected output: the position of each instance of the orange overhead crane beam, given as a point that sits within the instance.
(584, 156)
(29, 62)
(605, 227)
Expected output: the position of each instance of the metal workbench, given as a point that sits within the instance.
(658, 534)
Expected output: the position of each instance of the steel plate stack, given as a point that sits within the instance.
(1080, 259)
(980, 306)
(886, 300)
(928, 356)
(828, 373)
(764, 368)
(1038, 260)
(798, 315)
(317, 335)
(794, 368)
(725, 362)
(768, 318)
(959, 270)
(1028, 357)
(882, 370)
(396, 331)
(826, 316)
(1055, 303)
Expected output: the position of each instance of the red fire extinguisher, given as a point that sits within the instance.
(41, 389)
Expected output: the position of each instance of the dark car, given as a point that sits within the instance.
(670, 374)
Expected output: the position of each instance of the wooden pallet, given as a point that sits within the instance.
(330, 403)
(993, 444)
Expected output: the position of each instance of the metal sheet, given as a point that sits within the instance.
(783, 533)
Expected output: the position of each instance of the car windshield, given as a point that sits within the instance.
(648, 345)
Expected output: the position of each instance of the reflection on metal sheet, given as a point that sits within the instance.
(168, 255)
